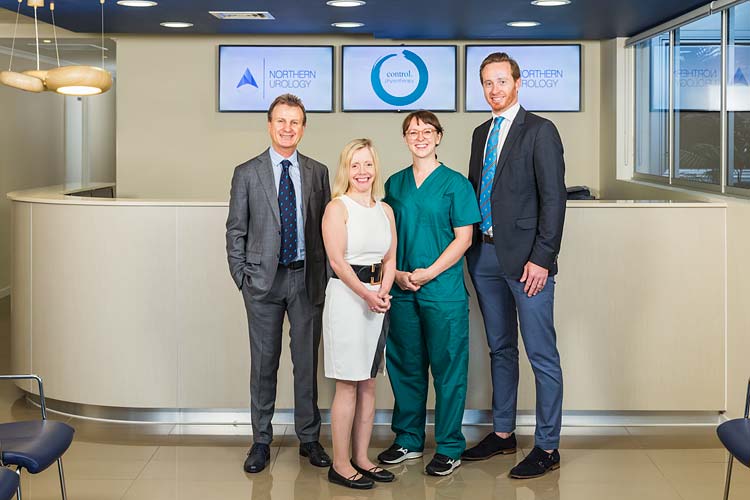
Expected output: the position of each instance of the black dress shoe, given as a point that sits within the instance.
(490, 446)
(363, 483)
(257, 458)
(536, 464)
(381, 476)
(315, 453)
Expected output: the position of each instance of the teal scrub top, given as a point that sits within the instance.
(425, 218)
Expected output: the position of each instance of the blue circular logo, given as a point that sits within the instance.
(391, 99)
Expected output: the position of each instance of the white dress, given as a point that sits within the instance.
(351, 332)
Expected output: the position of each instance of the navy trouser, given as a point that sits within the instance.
(504, 304)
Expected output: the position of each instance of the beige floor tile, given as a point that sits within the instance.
(121, 433)
(615, 458)
(81, 450)
(200, 453)
(78, 489)
(582, 472)
(705, 473)
(698, 455)
(251, 489)
(180, 465)
(662, 437)
(289, 464)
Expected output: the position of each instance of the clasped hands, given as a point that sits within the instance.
(414, 280)
(378, 301)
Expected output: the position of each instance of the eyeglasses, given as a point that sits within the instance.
(414, 134)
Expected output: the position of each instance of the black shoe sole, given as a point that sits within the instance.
(509, 451)
(342, 481)
(515, 476)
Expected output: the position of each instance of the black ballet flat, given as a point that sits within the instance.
(381, 476)
(363, 483)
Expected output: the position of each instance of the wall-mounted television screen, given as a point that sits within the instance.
(398, 77)
(550, 76)
(252, 76)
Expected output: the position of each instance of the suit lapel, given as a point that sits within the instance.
(305, 172)
(516, 129)
(268, 181)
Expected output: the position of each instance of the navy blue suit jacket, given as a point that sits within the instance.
(528, 193)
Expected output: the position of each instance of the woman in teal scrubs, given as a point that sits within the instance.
(435, 209)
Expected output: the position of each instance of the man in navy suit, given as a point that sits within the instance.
(517, 170)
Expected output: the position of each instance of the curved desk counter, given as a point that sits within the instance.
(126, 308)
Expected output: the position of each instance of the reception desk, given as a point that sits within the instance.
(126, 307)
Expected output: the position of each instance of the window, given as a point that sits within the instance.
(738, 97)
(652, 104)
(692, 100)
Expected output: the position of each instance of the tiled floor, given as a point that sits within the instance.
(165, 462)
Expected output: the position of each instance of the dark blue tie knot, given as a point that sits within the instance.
(285, 164)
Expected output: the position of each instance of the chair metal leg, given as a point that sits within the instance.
(62, 479)
(729, 477)
(18, 490)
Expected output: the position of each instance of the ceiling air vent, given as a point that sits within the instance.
(258, 15)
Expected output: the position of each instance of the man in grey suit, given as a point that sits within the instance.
(277, 259)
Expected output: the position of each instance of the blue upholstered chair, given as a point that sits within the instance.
(37, 444)
(9, 481)
(735, 436)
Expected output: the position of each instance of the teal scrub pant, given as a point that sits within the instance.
(428, 335)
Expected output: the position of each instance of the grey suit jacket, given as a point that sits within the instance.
(254, 226)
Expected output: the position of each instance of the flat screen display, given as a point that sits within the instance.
(252, 76)
(550, 76)
(399, 77)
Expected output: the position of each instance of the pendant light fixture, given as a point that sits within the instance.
(81, 80)
(67, 80)
(30, 81)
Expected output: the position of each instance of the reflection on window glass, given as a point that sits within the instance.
(652, 106)
(697, 100)
(738, 97)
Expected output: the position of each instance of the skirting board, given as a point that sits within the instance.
(238, 417)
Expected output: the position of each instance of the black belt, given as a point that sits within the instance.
(486, 238)
(372, 274)
(297, 264)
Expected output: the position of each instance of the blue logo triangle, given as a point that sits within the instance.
(739, 78)
(247, 79)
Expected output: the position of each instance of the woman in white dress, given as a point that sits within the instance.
(359, 234)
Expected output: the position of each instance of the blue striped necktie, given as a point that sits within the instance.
(288, 213)
(488, 175)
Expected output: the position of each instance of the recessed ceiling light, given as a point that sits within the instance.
(347, 25)
(345, 3)
(523, 24)
(550, 3)
(176, 24)
(47, 41)
(136, 3)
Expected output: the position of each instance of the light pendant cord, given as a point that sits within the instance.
(54, 31)
(36, 31)
(15, 29)
(102, 4)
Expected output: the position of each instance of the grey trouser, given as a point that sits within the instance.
(265, 319)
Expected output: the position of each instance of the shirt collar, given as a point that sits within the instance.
(276, 158)
(509, 114)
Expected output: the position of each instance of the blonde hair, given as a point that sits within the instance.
(341, 182)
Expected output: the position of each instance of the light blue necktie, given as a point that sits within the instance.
(288, 213)
(488, 175)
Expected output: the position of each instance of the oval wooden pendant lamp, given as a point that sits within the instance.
(80, 80)
(30, 81)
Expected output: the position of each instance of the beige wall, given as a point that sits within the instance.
(31, 151)
(172, 142)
